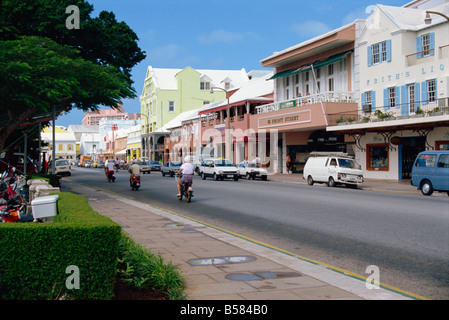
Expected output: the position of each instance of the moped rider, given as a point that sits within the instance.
(135, 170)
(187, 170)
(109, 167)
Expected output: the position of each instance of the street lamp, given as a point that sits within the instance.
(228, 121)
(428, 20)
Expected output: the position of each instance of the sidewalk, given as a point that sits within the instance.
(220, 265)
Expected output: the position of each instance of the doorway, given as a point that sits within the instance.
(411, 146)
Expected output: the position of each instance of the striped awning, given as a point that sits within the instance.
(308, 66)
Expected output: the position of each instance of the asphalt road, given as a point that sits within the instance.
(406, 236)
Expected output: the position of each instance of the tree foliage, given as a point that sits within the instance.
(45, 64)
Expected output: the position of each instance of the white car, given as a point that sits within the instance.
(63, 166)
(252, 170)
(219, 169)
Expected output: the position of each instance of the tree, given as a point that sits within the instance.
(45, 64)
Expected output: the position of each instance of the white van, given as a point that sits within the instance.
(333, 170)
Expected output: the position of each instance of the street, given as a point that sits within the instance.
(405, 236)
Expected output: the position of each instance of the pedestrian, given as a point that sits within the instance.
(288, 161)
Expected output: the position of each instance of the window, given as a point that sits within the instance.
(425, 45)
(368, 101)
(443, 162)
(377, 157)
(171, 106)
(379, 52)
(331, 84)
(330, 69)
(376, 58)
(431, 90)
(227, 85)
(59, 147)
(383, 46)
(426, 160)
(391, 97)
(411, 98)
(204, 85)
(70, 147)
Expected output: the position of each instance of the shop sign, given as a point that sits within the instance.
(395, 140)
(285, 119)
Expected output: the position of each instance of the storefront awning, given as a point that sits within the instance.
(307, 67)
(323, 63)
(285, 73)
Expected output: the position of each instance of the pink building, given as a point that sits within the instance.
(92, 118)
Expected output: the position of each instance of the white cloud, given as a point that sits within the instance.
(221, 36)
(310, 28)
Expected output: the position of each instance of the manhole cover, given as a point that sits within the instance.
(220, 260)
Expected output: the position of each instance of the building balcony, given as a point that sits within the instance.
(305, 113)
(330, 96)
(413, 116)
(236, 122)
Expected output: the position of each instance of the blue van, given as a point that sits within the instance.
(430, 172)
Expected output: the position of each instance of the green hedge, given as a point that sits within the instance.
(35, 258)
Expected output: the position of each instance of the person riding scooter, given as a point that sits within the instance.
(135, 170)
(109, 170)
(187, 170)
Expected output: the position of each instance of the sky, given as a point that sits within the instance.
(222, 35)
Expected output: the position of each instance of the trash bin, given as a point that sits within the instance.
(43, 207)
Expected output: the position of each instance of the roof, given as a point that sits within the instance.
(177, 121)
(310, 41)
(165, 78)
(413, 19)
(48, 136)
(82, 128)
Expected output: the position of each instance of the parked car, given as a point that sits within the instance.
(100, 164)
(252, 170)
(219, 169)
(170, 168)
(154, 165)
(144, 167)
(62, 166)
(430, 172)
(333, 170)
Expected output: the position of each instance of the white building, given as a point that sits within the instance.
(404, 85)
(65, 145)
(89, 143)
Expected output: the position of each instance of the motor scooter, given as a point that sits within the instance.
(186, 188)
(110, 175)
(13, 207)
(134, 182)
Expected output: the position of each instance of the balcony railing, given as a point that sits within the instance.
(215, 122)
(330, 96)
(420, 109)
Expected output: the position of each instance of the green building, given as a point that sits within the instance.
(169, 92)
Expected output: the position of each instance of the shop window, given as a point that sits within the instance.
(377, 157)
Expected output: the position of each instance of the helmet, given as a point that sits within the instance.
(186, 159)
